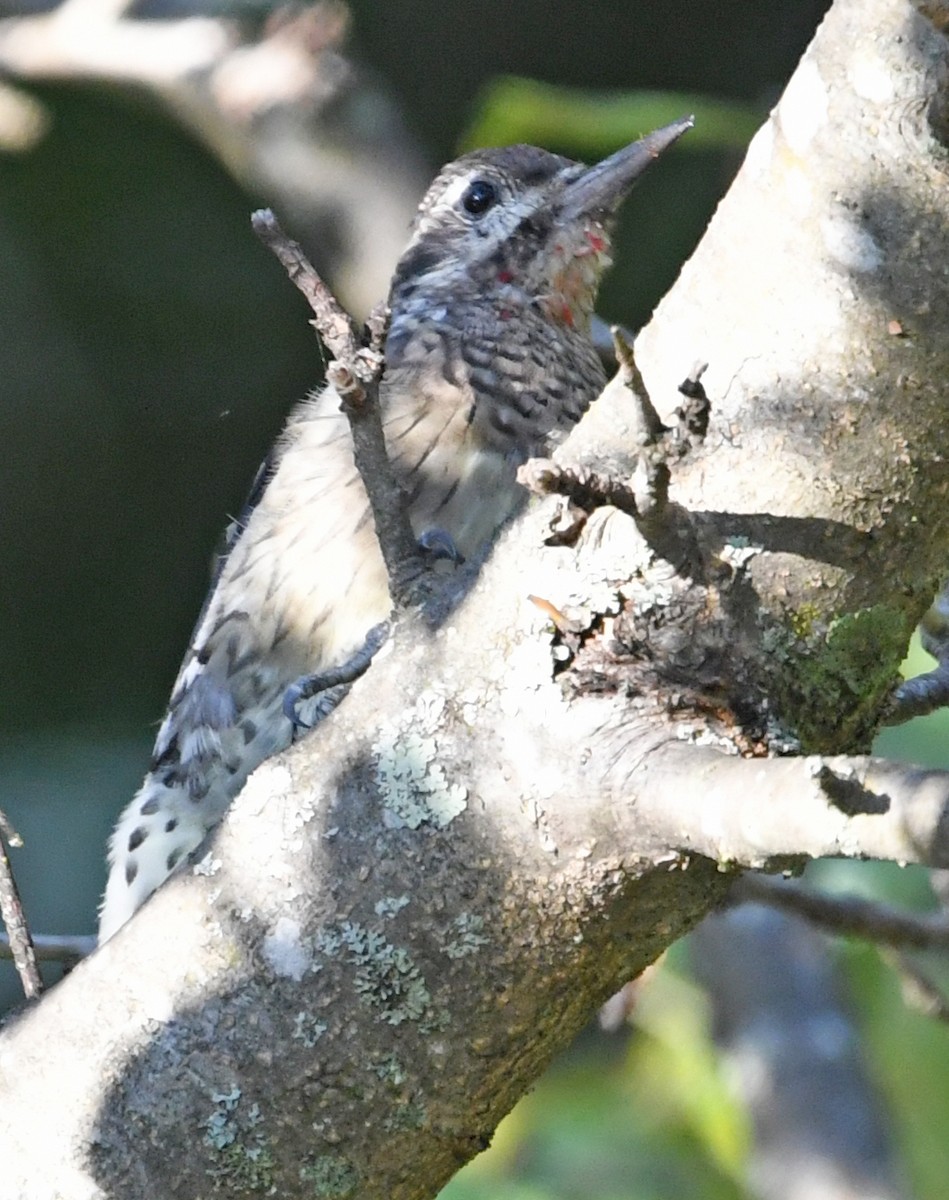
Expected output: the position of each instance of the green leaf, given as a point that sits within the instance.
(513, 109)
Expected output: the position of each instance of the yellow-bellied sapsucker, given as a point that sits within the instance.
(488, 356)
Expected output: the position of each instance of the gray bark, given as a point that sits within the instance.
(405, 917)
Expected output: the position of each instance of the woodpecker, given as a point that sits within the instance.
(488, 358)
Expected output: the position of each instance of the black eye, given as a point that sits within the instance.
(478, 197)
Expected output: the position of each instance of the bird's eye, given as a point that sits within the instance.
(478, 197)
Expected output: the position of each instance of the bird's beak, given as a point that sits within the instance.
(600, 188)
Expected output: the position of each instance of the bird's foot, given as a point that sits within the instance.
(440, 544)
(327, 688)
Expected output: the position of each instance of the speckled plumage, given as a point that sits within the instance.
(488, 357)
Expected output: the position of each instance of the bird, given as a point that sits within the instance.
(488, 361)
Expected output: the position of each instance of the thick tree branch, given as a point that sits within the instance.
(763, 813)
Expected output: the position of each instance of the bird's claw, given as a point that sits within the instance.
(440, 544)
(307, 687)
(331, 685)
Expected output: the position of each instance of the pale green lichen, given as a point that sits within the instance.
(467, 928)
(243, 1170)
(388, 906)
(242, 1161)
(328, 942)
(385, 978)
(220, 1131)
(331, 1176)
(410, 1115)
(390, 1070)
(413, 784)
(307, 1029)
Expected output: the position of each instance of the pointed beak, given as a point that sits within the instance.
(601, 188)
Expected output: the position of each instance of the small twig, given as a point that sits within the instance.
(356, 375)
(544, 477)
(924, 694)
(651, 426)
(693, 416)
(847, 915)
(919, 696)
(330, 319)
(377, 327)
(644, 498)
(54, 947)
(660, 445)
(11, 913)
(7, 831)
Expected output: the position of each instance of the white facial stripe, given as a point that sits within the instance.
(509, 212)
(451, 197)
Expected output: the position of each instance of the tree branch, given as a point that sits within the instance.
(277, 104)
(794, 1060)
(59, 947)
(13, 917)
(851, 916)
(765, 813)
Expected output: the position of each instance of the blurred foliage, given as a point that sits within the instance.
(592, 124)
(647, 1114)
(643, 1114)
(438, 56)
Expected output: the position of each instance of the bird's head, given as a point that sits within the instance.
(519, 225)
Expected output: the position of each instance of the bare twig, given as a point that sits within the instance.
(55, 947)
(544, 477)
(356, 375)
(693, 416)
(330, 319)
(660, 447)
(848, 915)
(651, 426)
(7, 831)
(920, 696)
(11, 912)
(928, 692)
